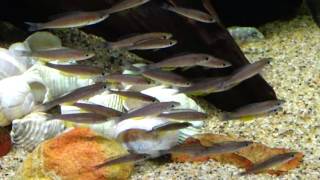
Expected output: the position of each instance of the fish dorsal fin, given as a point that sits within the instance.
(60, 15)
(123, 37)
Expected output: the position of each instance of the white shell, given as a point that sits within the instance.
(17, 97)
(34, 128)
(11, 66)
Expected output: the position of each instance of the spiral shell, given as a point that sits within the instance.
(34, 128)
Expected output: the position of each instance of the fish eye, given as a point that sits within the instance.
(102, 73)
(164, 37)
(207, 58)
(172, 105)
(105, 87)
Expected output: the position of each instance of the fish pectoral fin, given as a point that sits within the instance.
(137, 118)
(247, 118)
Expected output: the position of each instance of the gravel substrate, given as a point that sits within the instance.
(295, 75)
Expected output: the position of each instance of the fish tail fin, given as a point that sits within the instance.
(135, 69)
(33, 26)
(165, 5)
(21, 52)
(226, 116)
(108, 45)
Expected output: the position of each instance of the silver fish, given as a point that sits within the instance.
(167, 78)
(208, 6)
(171, 126)
(192, 14)
(185, 115)
(60, 54)
(71, 20)
(153, 44)
(75, 95)
(153, 109)
(131, 41)
(124, 159)
(207, 86)
(125, 4)
(253, 109)
(248, 71)
(98, 109)
(217, 148)
(77, 69)
(135, 95)
(190, 60)
(271, 162)
(87, 118)
(127, 79)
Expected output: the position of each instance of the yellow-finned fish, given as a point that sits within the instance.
(75, 95)
(167, 78)
(253, 109)
(127, 79)
(208, 6)
(86, 118)
(171, 126)
(271, 162)
(131, 41)
(248, 71)
(191, 13)
(77, 69)
(153, 109)
(216, 148)
(207, 86)
(98, 109)
(60, 54)
(125, 4)
(190, 60)
(71, 20)
(153, 44)
(135, 95)
(184, 115)
(133, 157)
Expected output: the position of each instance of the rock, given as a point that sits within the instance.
(73, 155)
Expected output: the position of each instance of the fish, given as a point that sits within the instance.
(253, 109)
(128, 42)
(185, 115)
(133, 157)
(153, 109)
(216, 148)
(208, 6)
(167, 78)
(171, 126)
(98, 109)
(135, 95)
(60, 54)
(215, 62)
(127, 79)
(75, 95)
(70, 20)
(248, 71)
(77, 69)
(191, 13)
(87, 118)
(189, 60)
(271, 162)
(153, 44)
(207, 86)
(125, 4)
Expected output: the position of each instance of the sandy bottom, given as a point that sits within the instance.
(295, 75)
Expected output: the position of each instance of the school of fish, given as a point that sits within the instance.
(153, 74)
